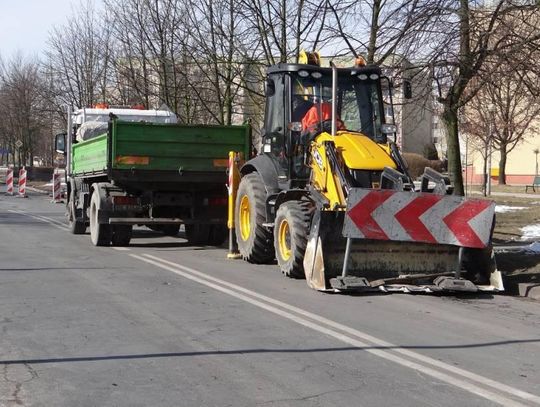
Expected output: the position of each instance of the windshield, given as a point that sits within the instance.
(359, 107)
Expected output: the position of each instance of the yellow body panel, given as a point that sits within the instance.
(357, 152)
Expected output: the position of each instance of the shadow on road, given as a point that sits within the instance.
(255, 351)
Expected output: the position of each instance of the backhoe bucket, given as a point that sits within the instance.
(355, 250)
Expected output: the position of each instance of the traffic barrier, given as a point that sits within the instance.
(9, 181)
(22, 183)
(57, 187)
(232, 187)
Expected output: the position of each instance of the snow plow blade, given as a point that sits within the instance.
(342, 257)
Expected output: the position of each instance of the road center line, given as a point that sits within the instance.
(248, 296)
(364, 336)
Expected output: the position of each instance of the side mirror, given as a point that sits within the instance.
(388, 128)
(407, 89)
(60, 143)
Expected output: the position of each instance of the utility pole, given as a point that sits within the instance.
(536, 151)
(488, 151)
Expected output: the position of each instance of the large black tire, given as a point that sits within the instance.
(197, 233)
(100, 234)
(75, 226)
(254, 241)
(291, 230)
(169, 230)
(218, 235)
(121, 235)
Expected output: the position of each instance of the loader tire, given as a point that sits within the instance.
(254, 240)
(291, 230)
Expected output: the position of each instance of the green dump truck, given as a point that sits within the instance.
(128, 167)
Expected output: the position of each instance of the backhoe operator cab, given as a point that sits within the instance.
(305, 165)
(299, 107)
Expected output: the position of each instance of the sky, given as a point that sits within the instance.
(25, 24)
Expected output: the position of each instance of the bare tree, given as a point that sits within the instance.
(502, 114)
(469, 40)
(21, 109)
(78, 58)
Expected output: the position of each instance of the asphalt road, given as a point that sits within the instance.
(161, 323)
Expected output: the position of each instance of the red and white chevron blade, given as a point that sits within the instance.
(418, 217)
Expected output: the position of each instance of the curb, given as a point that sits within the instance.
(40, 191)
(529, 290)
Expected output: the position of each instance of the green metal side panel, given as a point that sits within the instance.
(174, 147)
(90, 156)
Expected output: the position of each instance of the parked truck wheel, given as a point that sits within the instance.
(254, 240)
(121, 235)
(75, 226)
(290, 237)
(100, 234)
(197, 233)
(218, 235)
(170, 230)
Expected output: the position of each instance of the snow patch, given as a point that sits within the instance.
(506, 208)
(530, 232)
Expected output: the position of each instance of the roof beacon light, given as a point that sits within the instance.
(359, 61)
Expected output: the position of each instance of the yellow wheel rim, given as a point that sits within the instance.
(284, 240)
(245, 218)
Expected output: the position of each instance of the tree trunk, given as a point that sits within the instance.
(450, 120)
(502, 165)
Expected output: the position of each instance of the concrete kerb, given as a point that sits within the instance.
(529, 290)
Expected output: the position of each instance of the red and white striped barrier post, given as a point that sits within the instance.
(22, 183)
(9, 181)
(57, 187)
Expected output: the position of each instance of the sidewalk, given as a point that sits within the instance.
(531, 195)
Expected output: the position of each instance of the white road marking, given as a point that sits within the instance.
(57, 224)
(257, 299)
(219, 285)
(121, 249)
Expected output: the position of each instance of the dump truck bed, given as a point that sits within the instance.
(132, 152)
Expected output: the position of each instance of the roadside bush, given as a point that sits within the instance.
(417, 163)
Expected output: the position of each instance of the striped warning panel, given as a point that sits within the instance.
(419, 217)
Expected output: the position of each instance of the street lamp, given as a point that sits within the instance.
(491, 123)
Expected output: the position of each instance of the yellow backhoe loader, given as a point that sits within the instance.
(329, 196)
